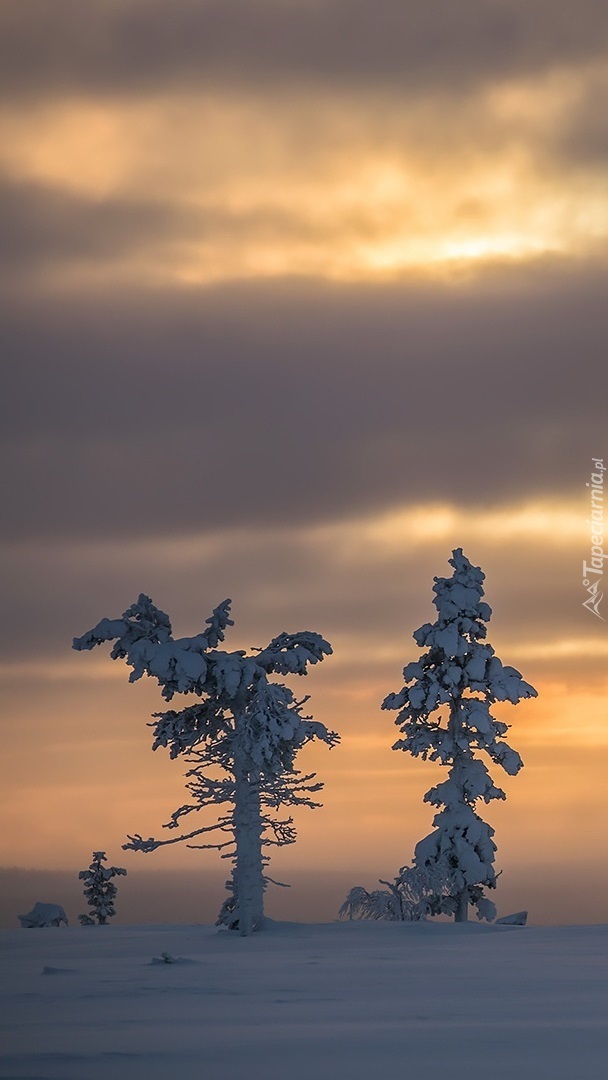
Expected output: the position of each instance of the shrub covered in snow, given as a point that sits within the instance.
(414, 894)
(444, 715)
(99, 890)
(381, 904)
(241, 736)
(44, 915)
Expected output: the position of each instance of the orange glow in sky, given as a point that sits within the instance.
(288, 318)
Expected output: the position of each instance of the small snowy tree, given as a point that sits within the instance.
(413, 895)
(380, 905)
(444, 715)
(241, 736)
(99, 890)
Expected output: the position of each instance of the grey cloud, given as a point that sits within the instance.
(582, 138)
(134, 46)
(361, 597)
(167, 413)
(41, 225)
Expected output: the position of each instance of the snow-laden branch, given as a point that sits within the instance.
(290, 654)
(137, 842)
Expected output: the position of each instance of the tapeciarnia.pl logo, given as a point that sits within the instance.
(593, 571)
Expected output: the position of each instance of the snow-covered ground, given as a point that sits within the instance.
(305, 1002)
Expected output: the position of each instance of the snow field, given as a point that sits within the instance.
(305, 1002)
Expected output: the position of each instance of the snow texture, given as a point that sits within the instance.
(353, 1000)
(241, 738)
(444, 715)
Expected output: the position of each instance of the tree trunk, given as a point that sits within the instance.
(462, 911)
(455, 725)
(248, 876)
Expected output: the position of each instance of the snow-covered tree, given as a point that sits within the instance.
(99, 890)
(241, 737)
(444, 715)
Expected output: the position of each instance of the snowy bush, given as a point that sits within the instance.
(379, 905)
(99, 890)
(241, 736)
(43, 914)
(444, 715)
(418, 891)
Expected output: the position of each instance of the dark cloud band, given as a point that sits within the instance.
(162, 412)
(130, 46)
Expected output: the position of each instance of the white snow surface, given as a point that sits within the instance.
(298, 1001)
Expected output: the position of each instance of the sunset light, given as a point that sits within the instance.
(298, 299)
(305, 611)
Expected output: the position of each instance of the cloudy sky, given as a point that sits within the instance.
(297, 296)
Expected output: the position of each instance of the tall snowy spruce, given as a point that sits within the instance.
(444, 715)
(99, 890)
(241, 737)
